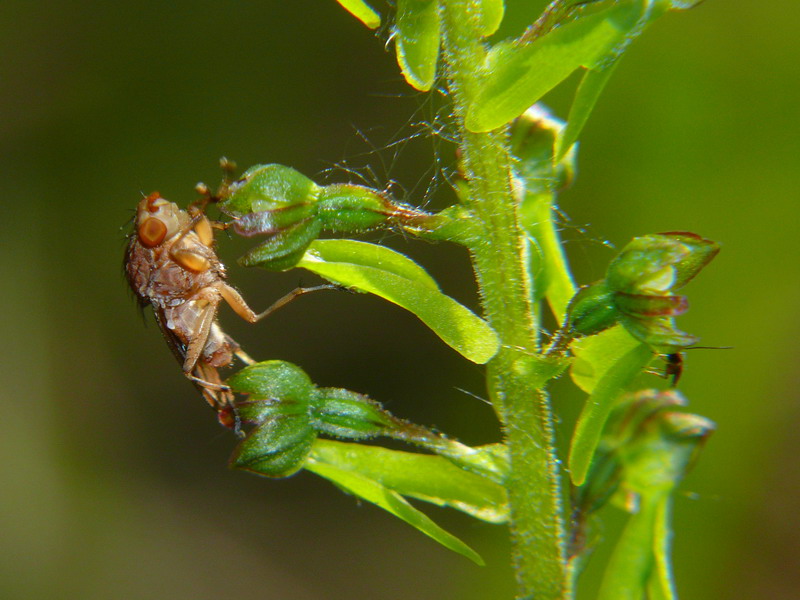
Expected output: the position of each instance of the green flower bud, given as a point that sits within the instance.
(284, 249)
(646, 265)
(274, 380)
(345, 414)
(660, 263)
(278, 202)
(627, 430)
(277, 448)
(701, 252)
(268, 188)
(638, 290)
(280, 394)
(291, 210)
(592, 310)
(657, 459)
(351, 208)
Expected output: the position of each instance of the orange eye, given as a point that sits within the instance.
(152, 232)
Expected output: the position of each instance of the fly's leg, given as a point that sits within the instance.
(222, 401)
(240, 307)
(197, 343)
(244, 357)
(673, 369)
(228, 170)
(216, 393)
(237, 350)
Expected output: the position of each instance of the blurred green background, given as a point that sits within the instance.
(112, 470)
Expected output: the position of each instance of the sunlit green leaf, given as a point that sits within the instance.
(520, 74)
(362, 11)
(594, 355)
(490, 15)
(617, 377)
(375, 255)
(586, 96)
(417, 39)
(396, 278)
(373, 491)
(422, 476)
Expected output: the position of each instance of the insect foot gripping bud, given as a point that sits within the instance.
(170, 264)
(639, 290)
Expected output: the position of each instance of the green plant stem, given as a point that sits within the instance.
(518, 373)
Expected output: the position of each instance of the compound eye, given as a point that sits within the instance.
(152, 232)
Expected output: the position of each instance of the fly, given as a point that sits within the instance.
(171, 264)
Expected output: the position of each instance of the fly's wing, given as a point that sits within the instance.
(177, 347)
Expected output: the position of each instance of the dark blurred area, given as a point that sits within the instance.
(113, 472)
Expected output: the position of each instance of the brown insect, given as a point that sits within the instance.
(674, 363)
(171, 264)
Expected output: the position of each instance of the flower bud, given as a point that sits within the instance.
(284, 249)
(278, 409)
(646, 448)
(663, 452)
(268, 188)
(351, 208)
(701, 252)
(291, 210)
(646, 265)
(592, 310)
(345, 414)
(625, 425)
(638, 290)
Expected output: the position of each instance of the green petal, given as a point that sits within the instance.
(398, 279)
(362, 11)
(373, 491)
(648, 305)
(417, 39)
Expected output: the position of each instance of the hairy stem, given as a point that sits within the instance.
(518, 373)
